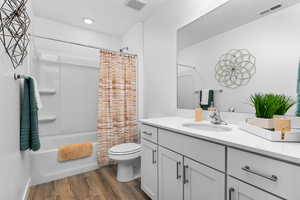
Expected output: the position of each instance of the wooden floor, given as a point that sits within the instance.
(95, 185)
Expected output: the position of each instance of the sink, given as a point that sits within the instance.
(207, 127)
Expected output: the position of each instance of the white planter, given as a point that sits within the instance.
(262, 123)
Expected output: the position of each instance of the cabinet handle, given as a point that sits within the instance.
(271, 178)
(231, 191)
(178, 176)
(153, 157)
(147, 133)
(185, 180)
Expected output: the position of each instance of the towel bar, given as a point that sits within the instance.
(19, 76)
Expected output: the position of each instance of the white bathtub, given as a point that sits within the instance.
(45, 166)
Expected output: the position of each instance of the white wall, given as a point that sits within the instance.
(276, 52)
(14, 165)
(160, 52)
(134, 40)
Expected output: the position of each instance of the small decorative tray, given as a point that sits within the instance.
(274, 136)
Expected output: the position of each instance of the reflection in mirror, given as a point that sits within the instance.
(239, 49)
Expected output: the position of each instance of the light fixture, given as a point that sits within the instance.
(88, 21)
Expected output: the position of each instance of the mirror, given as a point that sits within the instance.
(239, 49)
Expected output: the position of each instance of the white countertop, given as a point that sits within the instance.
(235, 138)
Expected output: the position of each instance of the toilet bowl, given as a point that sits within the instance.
(127, 156)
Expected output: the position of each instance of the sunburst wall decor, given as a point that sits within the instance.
(235, 68)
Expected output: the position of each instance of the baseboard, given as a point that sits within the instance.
(26, 191)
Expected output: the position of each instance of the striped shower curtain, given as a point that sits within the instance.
(117, 109)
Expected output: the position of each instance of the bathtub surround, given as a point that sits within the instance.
(73, 112)
(117, 112)
(29, 131)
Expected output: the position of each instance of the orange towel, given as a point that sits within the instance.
(74, 151)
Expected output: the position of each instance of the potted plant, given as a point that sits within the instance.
(268, 105)
(285, 104)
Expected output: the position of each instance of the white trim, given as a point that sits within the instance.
(27, 189)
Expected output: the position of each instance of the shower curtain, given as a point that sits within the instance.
(117, 112)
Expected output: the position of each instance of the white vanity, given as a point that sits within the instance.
(181, 162)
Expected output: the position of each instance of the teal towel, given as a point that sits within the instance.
(298, 93)
(29, 131)
(211, 100)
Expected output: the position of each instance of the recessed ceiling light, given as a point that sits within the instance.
(88, 21)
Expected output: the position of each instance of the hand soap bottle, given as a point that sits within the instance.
(198, 114)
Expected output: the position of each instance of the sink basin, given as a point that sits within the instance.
(207, 127)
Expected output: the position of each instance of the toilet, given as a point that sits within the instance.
(127, 156)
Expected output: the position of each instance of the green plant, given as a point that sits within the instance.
(268, 105)
(285, 104)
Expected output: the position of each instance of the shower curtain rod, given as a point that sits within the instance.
(79, 44)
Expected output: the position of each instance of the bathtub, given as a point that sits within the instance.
(46, 168)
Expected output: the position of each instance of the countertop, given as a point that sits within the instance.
(236, 138)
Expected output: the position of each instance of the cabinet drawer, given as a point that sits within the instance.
(277, 177)
(202, 151)
(149, 133)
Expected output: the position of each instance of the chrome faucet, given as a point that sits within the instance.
(216, 118)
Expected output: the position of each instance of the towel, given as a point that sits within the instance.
(37, 94)
(210, 99)
(204, 97)
(75, 151)
(29, 132)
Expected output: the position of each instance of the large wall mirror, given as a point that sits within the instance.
(239, 49)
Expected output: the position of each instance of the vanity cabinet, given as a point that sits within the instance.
(182, 178)
(149, 176)
(170, 175)
(238, 190)
(176, 166)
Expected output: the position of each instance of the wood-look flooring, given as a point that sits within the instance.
(100, 184)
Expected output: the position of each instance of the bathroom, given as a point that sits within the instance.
(185, 124)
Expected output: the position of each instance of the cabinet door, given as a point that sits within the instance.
(170, 175)
(241, 191)
(149, 169)
(201, 182)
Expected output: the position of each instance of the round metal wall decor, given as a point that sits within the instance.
(235, 68)
(13, 30)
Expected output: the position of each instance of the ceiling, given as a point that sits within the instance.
(230, 15)
(110, 16)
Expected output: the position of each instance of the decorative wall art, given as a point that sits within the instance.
(13, 30)
(235, 68)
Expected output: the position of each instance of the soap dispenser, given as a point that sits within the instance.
(198, 114)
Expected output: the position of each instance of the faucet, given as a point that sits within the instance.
(216, 118)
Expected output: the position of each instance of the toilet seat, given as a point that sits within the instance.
(125, 149)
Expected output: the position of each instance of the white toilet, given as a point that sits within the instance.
(129, 163)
